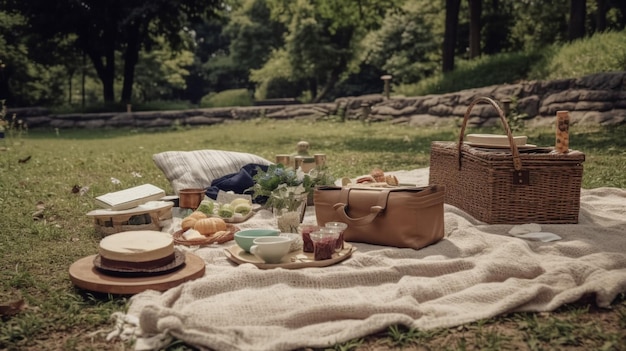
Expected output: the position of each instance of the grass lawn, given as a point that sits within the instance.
(43, 227)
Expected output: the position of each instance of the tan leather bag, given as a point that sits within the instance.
(401, 217)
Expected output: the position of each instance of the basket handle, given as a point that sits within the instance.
(517, 162)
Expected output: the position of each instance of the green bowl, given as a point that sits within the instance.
(244, 238)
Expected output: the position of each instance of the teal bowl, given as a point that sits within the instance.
(244, 238)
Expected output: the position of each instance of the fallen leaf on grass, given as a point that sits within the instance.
(80, 190)
(24, 160)
(12, 308)
(83, 190)
(37, 215)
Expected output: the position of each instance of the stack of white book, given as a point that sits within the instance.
(129, 198)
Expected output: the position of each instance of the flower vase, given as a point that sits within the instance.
(288, 219)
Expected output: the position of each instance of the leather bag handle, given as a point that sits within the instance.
(340, 208)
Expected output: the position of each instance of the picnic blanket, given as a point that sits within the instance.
(477, 271)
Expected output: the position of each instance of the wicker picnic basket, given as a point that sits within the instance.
(508, 185)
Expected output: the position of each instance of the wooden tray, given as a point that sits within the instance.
(292, 260)
(86, 276)
(180, 240)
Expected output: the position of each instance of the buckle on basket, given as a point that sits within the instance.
(521, 177)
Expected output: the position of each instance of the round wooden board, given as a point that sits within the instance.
(84, 275)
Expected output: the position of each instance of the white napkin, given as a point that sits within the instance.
(532, 231)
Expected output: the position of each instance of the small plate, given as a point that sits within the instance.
(180, 240)
(490, 146)
(495, 139)
(292, 260)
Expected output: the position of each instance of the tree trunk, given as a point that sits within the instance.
(313, 87)
(332, 79)
(70, 75)
(578, 12)
(109, 77)
(449, 37)
(105, 71)
(131, 57)
(475, 7)
(601, 15)
(621, 5)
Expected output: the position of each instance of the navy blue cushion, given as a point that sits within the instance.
(238, 182)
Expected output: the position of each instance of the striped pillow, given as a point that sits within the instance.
(197, 169)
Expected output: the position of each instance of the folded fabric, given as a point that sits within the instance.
(238, 182)
(532, 231)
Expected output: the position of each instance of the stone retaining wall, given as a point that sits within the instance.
(595, 99)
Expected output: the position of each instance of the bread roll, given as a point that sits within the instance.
(378, 175)
(188, 222)
(208, 226)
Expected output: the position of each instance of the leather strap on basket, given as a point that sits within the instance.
(517, 162)
(340, 207)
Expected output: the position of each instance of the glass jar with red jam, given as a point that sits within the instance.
(305, 230)
(324, 243)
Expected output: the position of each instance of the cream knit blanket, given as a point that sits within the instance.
(477, 271)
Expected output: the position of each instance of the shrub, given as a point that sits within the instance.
(234, 97)
(484, 71)
(602, 52)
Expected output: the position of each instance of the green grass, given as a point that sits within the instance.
(602, 52)
(233, 97)
(504, 68)
(36, 250)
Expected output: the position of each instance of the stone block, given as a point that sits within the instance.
(593, 106)
(422, 120)
(202, 120)
(33, 122)
(528, 106)
(563, 96)
(441, 110)
(90, 124)
(602, 81)
(552, 108)
(62, 123)
(598, 95)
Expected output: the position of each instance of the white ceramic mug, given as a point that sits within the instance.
(271, 249)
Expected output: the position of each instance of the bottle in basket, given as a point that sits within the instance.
(562, 132)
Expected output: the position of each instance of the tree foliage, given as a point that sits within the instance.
(407, 45)
(324, 37)
(103, 28)
(59, 52)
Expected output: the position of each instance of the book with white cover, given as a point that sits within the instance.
(131, 197)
